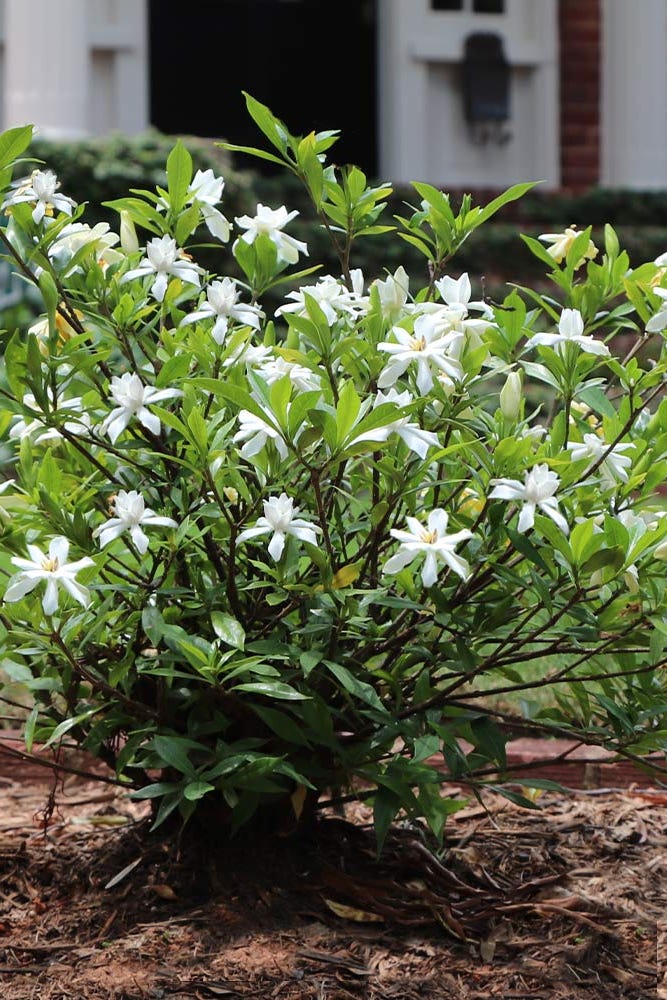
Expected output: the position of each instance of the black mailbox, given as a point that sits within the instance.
(486, 84)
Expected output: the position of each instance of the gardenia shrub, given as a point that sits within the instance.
(257, 561)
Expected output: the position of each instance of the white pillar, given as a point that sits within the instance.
(634, 87)
(47, 67)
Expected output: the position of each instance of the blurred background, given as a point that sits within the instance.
(470, 95)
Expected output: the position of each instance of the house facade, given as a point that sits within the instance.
(462, 93)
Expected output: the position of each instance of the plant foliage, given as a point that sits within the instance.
(256, 560)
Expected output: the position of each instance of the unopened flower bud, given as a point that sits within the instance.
(231, 494)
(510, 396)
(661, 552)
(631, 579)
(128, 234)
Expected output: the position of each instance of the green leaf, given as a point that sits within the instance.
(261, 154)
(511, 194)
(436, 807)
(436, 199)
(228, 629)
(527, 549)
(173, 370)
(153, 624)
(140, 212)
(354, 686)
(284, 727)
(515, 797)
(198, 429)
(13, 143)
(173, 752)
(272, 689)
(347, 410)
(266, 121)
(187, 223)
(489, 740)
(386, 806)
(179, 175)
(594, 397)
(154, 790)
(29, 728)
(196, 790)
(580, 539)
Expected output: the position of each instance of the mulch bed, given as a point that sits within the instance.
(565, 901)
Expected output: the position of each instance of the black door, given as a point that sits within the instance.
(311, 61)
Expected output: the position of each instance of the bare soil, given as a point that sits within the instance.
(565, 901)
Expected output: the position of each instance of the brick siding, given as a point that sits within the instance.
(580, 44)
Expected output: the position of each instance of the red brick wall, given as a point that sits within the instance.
(580, 42)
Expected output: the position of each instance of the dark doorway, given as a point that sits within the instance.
(312, 63)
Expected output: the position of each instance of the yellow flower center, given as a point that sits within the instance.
(50, 565)
(429, 536)
(417, 343)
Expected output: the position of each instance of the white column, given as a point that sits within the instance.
(634, 89)
(46, 67)
(402, 93)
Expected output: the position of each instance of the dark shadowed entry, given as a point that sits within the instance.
(311, 61)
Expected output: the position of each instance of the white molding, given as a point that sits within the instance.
(45, 67)
(634, 90)
(75, 67)
(422, 133)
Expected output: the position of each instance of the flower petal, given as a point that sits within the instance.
(50, 599)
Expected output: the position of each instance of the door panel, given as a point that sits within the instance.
(313, 71)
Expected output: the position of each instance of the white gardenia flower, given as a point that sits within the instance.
(633, 523)
(560, 243)
(253, 356)
(206, 188)
(52, 568)
(302, 378)
(456, 293)
(427, 347)
(431, 542)
(658, 322)
(164, 258)
(133, 399)
(130, 513)
(537, 491)
(332, 296)
(39, 432)
(570, 331)
(256, 432)
(222, 304)
(270, 222)
(414, 436)
(393, 291)
(279, 521)
(614, 465)
(76, 235)
(40, 189)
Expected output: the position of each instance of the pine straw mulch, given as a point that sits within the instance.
(565, 902)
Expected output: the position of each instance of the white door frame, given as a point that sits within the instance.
(413, 39)
(634, 94)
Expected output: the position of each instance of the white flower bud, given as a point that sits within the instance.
(128, 234)
(510, 396)
(631, 579)
(661, 552)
